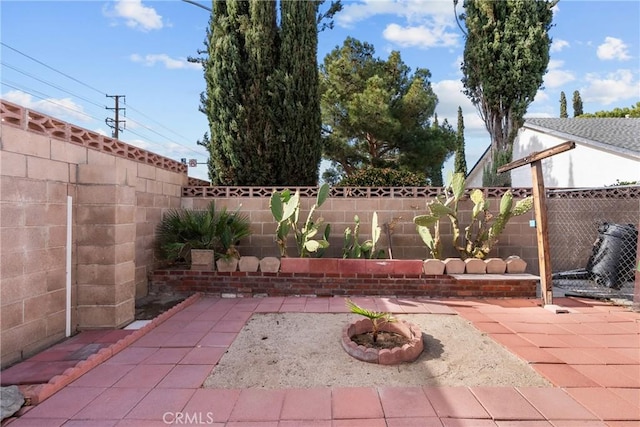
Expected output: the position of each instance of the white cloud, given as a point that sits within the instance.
(450, 97)
(423, 24)
(62, 108)
(557, 77)
(411, 10)
(614, 87)
(613, 48)
(420, 36)
(136, 15)
(558, 44)
(171, 63)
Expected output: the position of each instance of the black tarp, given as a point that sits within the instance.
(613, 257)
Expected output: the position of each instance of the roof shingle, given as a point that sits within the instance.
(621, 133)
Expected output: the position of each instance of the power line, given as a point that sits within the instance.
(91, 102)
(49, 84)
(45, 97)
(52, 69)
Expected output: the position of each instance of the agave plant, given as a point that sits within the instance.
(377, 318)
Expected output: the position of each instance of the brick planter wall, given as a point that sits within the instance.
(250, 284)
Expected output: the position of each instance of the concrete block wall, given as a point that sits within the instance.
(519, 238)
(118, 193)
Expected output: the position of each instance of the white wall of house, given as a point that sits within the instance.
(587, 165)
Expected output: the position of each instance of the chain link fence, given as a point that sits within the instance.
(593, 240)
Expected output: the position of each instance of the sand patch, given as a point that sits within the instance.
(302, 350)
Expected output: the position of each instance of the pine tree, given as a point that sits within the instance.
(563, 106)
(577, 104)
(301, 118)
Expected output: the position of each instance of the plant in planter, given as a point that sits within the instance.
(230, 228)
(285, 209)
(182, 230)
(377, 318)
(352, 247)
(481, 235)
(401, 342)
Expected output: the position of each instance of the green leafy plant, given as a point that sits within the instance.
(482, 233)
(230, 228)
(383, 177)
(377, 318)
(352, 247)
(181, 230)
(285, 208)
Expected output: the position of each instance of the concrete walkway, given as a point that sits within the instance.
(153, 378)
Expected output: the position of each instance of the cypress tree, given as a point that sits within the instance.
(225, 75)
(563, 106)
(261, 100)
(301, 119)
(577, 104)
(460, 162)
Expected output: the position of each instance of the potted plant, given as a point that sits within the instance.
(231, 227)
(187, 235)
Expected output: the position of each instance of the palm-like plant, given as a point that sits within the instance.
(378, 318)
(184, 229)
(230, 228)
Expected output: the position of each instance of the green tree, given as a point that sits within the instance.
(577, 104)
(460, 161)
(225, 75)
(377, 113)
(261, 98)
(633, 111)
(563, 106)
(490, 175)
(263, 111)
(506, 55)
(301, 120)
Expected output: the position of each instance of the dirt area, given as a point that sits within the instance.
(151, 306)
(300, 350)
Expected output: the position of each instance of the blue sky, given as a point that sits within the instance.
(63, 57)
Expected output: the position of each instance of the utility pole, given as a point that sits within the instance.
(115, 123)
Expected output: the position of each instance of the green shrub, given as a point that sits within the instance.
(383, 177)
(181, 230)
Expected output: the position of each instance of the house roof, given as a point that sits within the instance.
(618, 134)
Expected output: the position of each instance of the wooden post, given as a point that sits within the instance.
(540, 207)
(542, 232)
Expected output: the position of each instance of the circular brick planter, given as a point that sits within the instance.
(407, 353)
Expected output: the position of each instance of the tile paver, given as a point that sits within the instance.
(597, 374)
(505, 403)
(356, 403)
(307, 404)
(258, 405)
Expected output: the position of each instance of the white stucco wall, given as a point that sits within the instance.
(584, 166)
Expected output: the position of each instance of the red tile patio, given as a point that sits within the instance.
(152, 377)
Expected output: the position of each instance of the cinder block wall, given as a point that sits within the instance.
(118, 193)
(519, 238)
